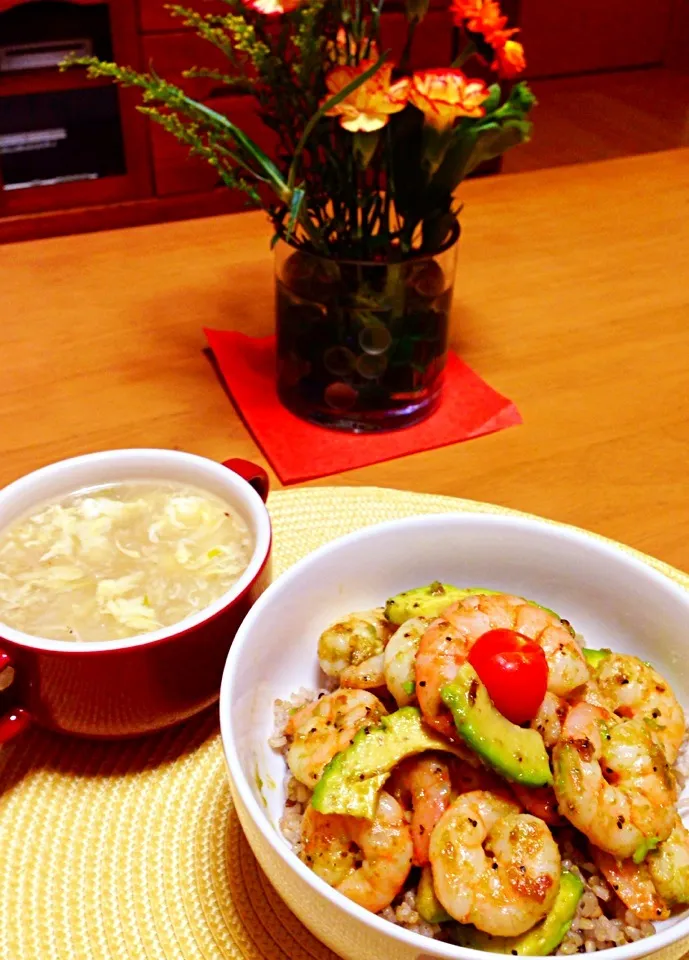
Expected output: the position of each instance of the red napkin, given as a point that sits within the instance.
(301, 451)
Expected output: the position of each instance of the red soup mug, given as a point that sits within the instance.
(124, 688)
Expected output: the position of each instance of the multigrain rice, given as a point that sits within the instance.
(403, 912)
(601, 920)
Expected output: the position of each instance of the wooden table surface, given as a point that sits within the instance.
(572, 298)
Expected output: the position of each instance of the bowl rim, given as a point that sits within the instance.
(205, 467)
(240, 784)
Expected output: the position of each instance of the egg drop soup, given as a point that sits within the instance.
(116, 562)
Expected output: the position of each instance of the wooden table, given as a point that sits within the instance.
(572, 298)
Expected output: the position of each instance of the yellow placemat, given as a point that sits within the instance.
(133, 851)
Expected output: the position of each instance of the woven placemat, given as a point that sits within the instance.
(133, 851)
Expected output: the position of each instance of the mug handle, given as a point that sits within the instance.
(15, 721)
(253, 474)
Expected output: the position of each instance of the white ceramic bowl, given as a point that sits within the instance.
(610, 597)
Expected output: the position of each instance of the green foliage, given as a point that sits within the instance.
(381, 194)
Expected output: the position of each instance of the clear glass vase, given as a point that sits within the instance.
(362, 346)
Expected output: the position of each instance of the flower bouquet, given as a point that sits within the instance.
(361, 189)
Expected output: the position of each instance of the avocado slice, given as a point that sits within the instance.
(542, 939)
(353, 779)
(428, 906)
(594, 658)
(516, 753)
(427, 601)
(430, 601)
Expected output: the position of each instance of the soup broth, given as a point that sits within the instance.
(120, 561)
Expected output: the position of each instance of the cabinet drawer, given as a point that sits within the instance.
(153, 16)
(170, 54)
(433, 41)
(176, 172)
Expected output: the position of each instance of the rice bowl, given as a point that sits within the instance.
(624, 599)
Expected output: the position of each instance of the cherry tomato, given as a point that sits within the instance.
(514, 670)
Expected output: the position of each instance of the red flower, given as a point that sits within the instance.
(442, 95)
(369, 106)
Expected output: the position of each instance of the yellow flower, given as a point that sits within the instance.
(442, 95)
(509, 59)
(367, 108)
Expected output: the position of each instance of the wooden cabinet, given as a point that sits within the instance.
(154, 18)
(170, 54)
(59, 112)
(176, 172)
(578, 36)
(148, 174)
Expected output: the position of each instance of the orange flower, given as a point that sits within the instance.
(343, 50)
(484, 17)
(489, 21)
(443, 95)
(369, 106)
(509, 59)
(463, 9)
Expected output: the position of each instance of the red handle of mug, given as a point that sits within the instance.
(253, 474)
(15, 721)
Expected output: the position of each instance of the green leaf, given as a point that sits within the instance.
(494, 142)
(522, 98)
(174, 98)
(294, 211)
(493, 101)
(262, 159)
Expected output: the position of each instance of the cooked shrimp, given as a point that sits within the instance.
(635, 689)
(494, 866)
(633, 884)
(669, 865)
(366, 860)
(553, 711)
(591, 693)
(323, 728)
(541, 801)
(549, 719)
(465, 778)
(442, 651)
(400, 657)
(351, 649)
(612, 781)
(445, 646)
(422, 783)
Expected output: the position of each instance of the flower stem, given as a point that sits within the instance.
(467, 53)
(405, 59)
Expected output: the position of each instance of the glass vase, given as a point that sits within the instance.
(362, 346)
